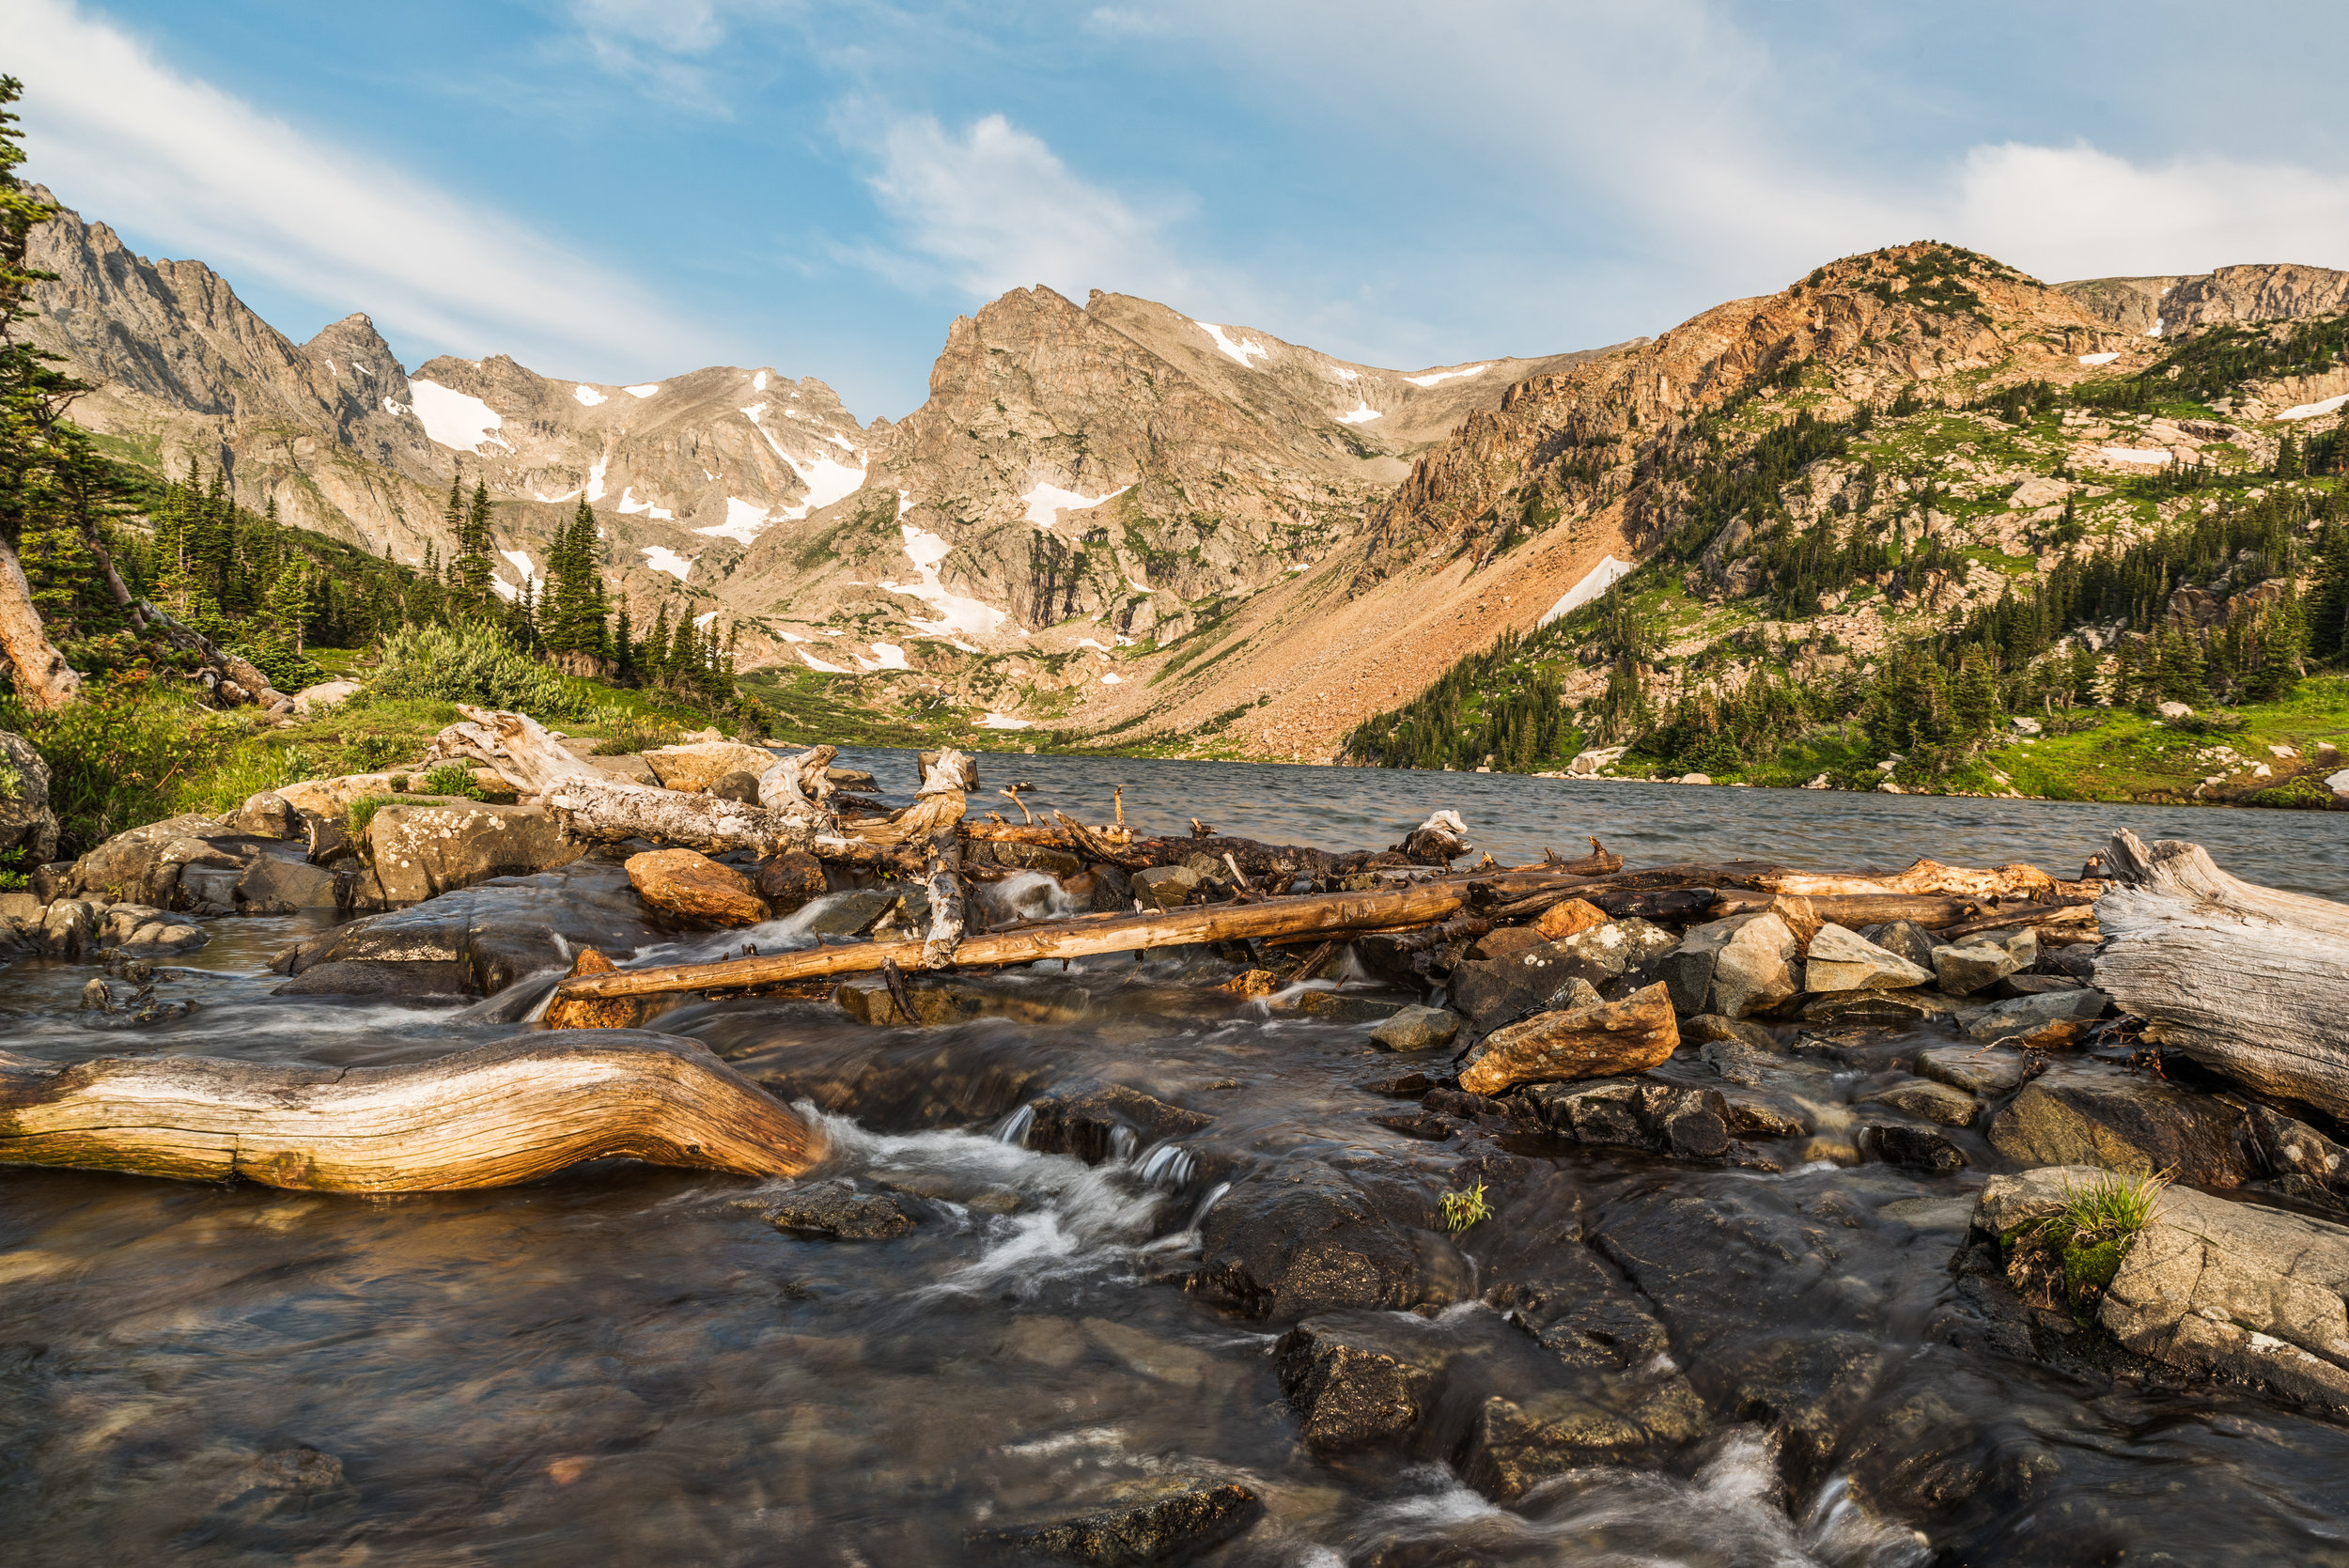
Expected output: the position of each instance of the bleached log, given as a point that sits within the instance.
(944, 878)
(2251, 982)
(798, 786)
(488, 1117)
(591, 804)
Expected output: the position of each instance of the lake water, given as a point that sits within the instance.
(624, 1365)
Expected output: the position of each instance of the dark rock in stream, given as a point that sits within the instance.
(1913, 1148)
(2090, 1113)
(1296, 1240)
(477, 941)
(1632, 1113)
(1182, 1519)
(838, 1210)
(1358, 1379)
(1108, 1121)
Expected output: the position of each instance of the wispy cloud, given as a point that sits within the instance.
(992, 208)
(119, 135)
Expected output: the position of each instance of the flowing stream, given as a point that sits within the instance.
(627, 1365)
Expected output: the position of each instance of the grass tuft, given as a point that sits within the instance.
(1462, 1210)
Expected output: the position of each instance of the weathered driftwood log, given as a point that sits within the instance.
(2046, 917)
(798, 786)
(489, 1117)
(1855, 909)
(1318, 913)
(1627, 1036)
(944, 878)
(591, 804)
(2250, 982)
(1923, 878)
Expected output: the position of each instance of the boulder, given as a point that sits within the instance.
(1417, 1028)
(1110, 1122)
(69, 928)
(838, 1210)
(1178, 1519)
(1041, 857)
(2088, 1113)
(1563, 919)
(851, 913)
(2225, 1291)
(1755, 968)
(1843, 960)
(1983, 961)
(1711, 1025)
(1976, 1070)
(1875, 1009)
(1162, 887)
(477, 941)
(1507, 941)
(1112, 892)
(270, 886)
(1632, 1113)
(1345, 1007)
(1291, 1242)
(146, 865)
(1913, 1148)
(1515, 1444)
(1602, 1041)
(1357, 1380)
(267, 814)
(326, 693)
(1492, 992)
(423, 852)
(28, 828)
(694, 768)
(163, 938)
(1686, 971)
(2024, 1019)
(327, 839)
(789, 880)
(690, 885)
(333, 796)
(1903, 939)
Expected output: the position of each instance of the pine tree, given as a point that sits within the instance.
(1974, 699)
(469, 571)
(654, 658)
(287, 608)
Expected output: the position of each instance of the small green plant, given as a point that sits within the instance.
(450, 778)
(2095, 1227)
(363, 810)
(1464, 1209)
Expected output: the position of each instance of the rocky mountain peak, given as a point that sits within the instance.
(2174, 303)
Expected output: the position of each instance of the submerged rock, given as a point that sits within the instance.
(1913, 1148)
(1417, 1028)
(1934, 1102)
(1357, 1380)
(1633, 1113)
(838, 1210)
(1092, 1124)
(1178, 1519)
(1288, 1243)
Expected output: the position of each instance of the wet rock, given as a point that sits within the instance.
(596, 1012)
(696, 767)
(1711, 1025)
(1403, 1086)
(2087, 1113)
(741, 787)
(1632, 1113)
(2033, 984)
(691, 886)
(2024, 1019)
(2224, 1291)
(1357, 1380)
(1346, 1007)
(837, 1209)
(1874, 1009)
(1569, 918)
(116, 922)
(67, 928)
(1417, 1028)
(28, 828)
(1978, 1070)
(1602, 1041)
(1736, 1060)
(1037, 856)
(1180, 1519)
(1983, 961)
(163, 938)
(1903, 939)
(1289, 1242)
(1913, 1148)
(1934, 1102)
(1425, 1125)
(851, 913)
(423, 852)
(268, 814)
(478, 941)
(274, 887)
(1515, 1444)
(1165, 887)
(1108, 1121)
(1841, 960)
(1757, 1115)
(1112, 891)
(146, 865)
(789, 881)
(299, 1468)
(2304, 1163)
(1507, 941)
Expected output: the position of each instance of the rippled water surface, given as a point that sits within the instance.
(627, 1365)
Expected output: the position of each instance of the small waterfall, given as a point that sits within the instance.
(1014, 1128)
(1170, 1166)
(1123, 1143)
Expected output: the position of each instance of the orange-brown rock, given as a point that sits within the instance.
(1627, 1036)
(787, 880)
(594, 1012)
(689, 883)
(1560, 921)
(1507, 941)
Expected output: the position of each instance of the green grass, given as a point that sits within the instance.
(2095, 1227)
(2132, 757)
(1462, 1210)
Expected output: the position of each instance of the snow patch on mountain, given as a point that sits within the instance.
(886, 656)
(819, 666)
(1047, 501)
(970, 617)
(662, 558)
(595, 472)
(1362, 414)
(745, 523)
(1242, 350)
(1433, 376)
(759, 383)
(2098, 359)
(1005, 721)
(701, 622)
(826, 481)
(2132, 454)
(1595, 582)
(589, 395)
(454, 419)
(522, 563)
(629, 506)
(644, 390)
(2310, 410)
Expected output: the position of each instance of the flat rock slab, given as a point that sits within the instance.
(1178, 1521)
(1976, 1069)
(2089, 1114)
(1417, 1028)
(1843, 960)
(421, 851)
(1934, 1102)
(838, 1210)
(848, 914)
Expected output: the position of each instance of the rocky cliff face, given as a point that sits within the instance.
(2172, 304)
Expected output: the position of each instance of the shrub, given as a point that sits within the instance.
(470, 663)
(2094, 1230)
(363, 810)
(121, 757)
(450, 778)
(1464, 1209)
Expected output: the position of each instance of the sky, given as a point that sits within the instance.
(618, 191)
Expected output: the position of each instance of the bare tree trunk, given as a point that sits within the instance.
(488, 1117)
(944, 879)
(43, 678)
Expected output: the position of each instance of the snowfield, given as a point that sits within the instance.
(1595, 582)
(454, 419)
(662, 558)
(1046, 503)
(1433, 376)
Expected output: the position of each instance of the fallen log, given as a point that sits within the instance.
(2250, 982)
(944, 878)
(1345, 913)
(591, 804)
(2044, 916)
(1855, 909)
(488, 1117)
(1928, 877)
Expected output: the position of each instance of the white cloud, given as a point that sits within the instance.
(121, 137)
(995, 208)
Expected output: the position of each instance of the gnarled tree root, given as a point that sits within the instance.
(502, 1113)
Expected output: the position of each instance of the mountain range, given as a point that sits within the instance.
(1111, 520)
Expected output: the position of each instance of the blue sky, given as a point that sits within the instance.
(620, 190)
